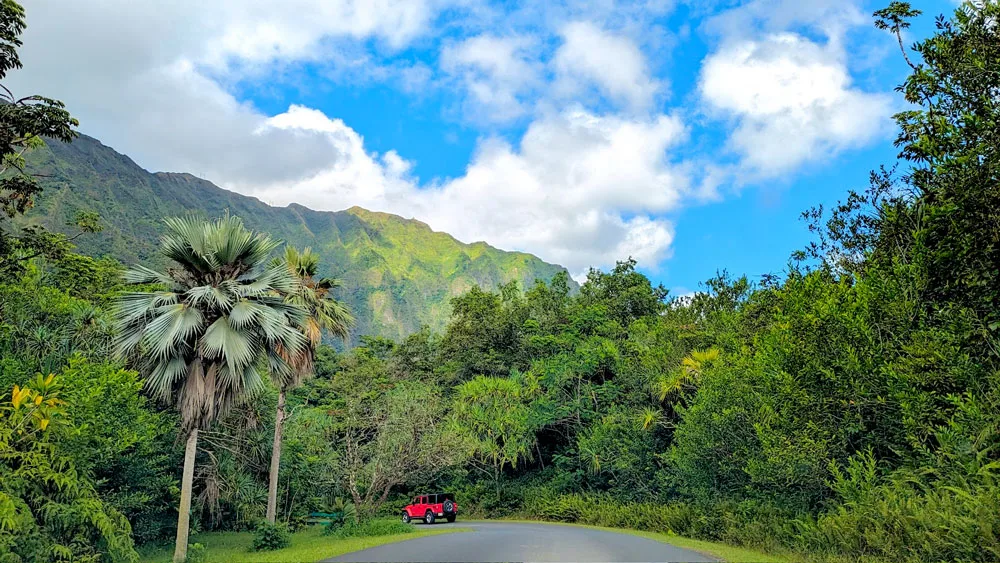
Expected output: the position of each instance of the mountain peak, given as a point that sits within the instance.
(383, 216)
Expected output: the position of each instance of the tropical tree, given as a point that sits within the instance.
(217, 320)
(322, 313)
(493, 418)
(392, 437)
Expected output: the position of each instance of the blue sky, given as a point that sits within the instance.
(689, 134)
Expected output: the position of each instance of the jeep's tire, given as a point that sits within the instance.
(429, 517)
(449, 506)
(406, 517)
(451, 518)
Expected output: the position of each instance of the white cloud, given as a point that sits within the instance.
(792, 101)
(581, 190)
(789, 95)
(140, 77)
(832, 18)
(613, 63)
(265, 30)
(496, 71)
(580, 187)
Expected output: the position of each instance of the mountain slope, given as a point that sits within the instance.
(397, 273)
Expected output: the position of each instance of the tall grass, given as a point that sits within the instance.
(906, 517)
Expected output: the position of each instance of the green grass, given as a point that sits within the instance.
(308, 545)
(721, 551)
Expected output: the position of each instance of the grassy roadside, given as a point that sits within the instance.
(721, 551)
(309, 545)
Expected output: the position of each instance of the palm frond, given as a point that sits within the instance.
(186, 243)
(234, 347)
(170, 329)
(243, 313)
(165, 375)
(142, 274)
(210, 295)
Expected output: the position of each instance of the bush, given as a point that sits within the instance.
(343, 511)
(606, 511)
(368, 528)
(197, 553)
(270, 537)
(297, 523)
(48, 506)
(927, 516)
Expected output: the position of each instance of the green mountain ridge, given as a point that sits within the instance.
(397, 274)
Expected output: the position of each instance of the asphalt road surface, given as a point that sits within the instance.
(504, 541)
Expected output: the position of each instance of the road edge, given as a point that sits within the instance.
(399, 538)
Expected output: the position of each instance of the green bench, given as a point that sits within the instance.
(322, 517)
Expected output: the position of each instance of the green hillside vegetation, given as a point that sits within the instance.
(397, 274)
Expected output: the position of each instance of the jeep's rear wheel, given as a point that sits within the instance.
(429, 517)
(406, 517)
(451, 518)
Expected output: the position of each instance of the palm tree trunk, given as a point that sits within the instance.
(272, 483)
(184, 511)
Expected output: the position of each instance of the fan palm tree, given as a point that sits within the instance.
(322, 313)
(219, 320)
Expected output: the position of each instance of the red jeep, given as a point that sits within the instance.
(431, 507)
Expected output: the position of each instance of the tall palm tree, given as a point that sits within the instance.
(219, 320)
(322, 313)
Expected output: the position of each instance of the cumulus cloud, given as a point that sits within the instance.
(289, 29)
(590, 55)
(792, 100)
(780, 77)
(831, 18)
(496, 71)
(144, 78)
(580, 189)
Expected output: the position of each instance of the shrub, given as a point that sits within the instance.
(368, 528)
(48, 507)
(343, 511)
(599, 510)
(297, 523)
(197, 553)
(559, 509)
(934, 515)
(270, 537)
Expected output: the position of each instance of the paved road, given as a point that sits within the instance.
(504, 541)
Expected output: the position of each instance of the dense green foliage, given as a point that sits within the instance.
(846, 409)
(197, 553)
(48, 510)
(107, 454)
